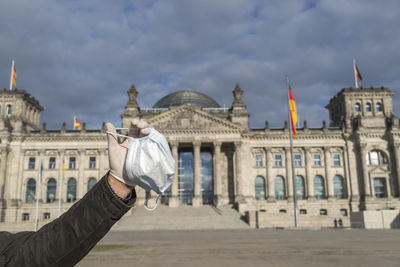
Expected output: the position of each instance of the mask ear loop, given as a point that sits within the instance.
(116, 134)
(148, 196)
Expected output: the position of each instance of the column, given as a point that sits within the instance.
(217, 174)
(174, 199)
(239, 192)
(310, 179)
(270, 178)
(289, 178)
(328, 176)
(102, 162)
(396, 148)
(197, 200)
(367, 188)
(81, 173)
(61, 180)
(4, 153)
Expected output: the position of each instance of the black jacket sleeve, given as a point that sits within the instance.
(66, 240)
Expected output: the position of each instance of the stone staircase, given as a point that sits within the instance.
(163, 218)
(181, 218)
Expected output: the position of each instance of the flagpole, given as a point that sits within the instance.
(295, 207)
(355, 74)
(12, 72)
(74, 123)
(38, 194)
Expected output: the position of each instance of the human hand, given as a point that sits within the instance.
(117, 152)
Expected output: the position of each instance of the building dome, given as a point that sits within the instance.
(186, 97)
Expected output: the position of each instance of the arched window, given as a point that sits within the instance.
(380, 187)
(30, 191)
(51, 190)
(338, 187)
(357, 107)
(300, 189)
(9, 109)
(378, 107)
(91, 183)
(376, 157)
(368, 107)
(280, 192)
(71, 190)
(259, 185)
(319, 187)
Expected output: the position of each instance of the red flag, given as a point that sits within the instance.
(293, 112)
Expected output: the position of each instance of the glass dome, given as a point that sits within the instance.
(186, 97)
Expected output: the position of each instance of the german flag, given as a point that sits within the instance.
(14, 77)
(77, 124)
(357, 73)
(293, 112)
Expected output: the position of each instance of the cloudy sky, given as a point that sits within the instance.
(80, 57)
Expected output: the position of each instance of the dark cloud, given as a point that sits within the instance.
(80, 57)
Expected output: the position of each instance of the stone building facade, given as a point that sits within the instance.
(341, 169)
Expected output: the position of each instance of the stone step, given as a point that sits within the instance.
(181, 218)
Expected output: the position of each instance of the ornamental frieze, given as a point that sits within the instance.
(190, 119)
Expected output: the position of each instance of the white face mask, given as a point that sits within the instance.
(149, 164)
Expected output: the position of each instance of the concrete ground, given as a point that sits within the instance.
(247, 247)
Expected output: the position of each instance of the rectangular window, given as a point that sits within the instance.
(323, 212)
(92, 162)
(297, 160)
(302, 211)
(317, 160)
(31, 164)
(380, 187)
(46, 215)
(52, 163)
(336, 160)
(72, 162)
(25, 216)
(259, 161)
(278, 160)
(343, 212)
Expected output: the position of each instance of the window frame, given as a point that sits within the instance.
(382, 193)
(31, 163)
(297, 160)
(321, 194)
(303, 185)
(52, 162)
(317, 160)
(29, 200)
(260, 188)
(368, 107)
(49, 200)
(357, 107)
(71, 189)
(336, 160)
(343, 194)
(278, 160)
(280, 196)
(92, 162)
(9, 109)
(259, 160)
(72, 164)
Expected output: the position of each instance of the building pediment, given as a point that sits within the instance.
(378, 171)
(193, 119)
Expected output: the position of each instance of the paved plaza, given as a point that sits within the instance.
(247, 247)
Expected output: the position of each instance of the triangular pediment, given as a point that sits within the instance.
(193, 119)
(378, 170)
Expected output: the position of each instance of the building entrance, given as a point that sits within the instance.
(185, 176)
(207, 183)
